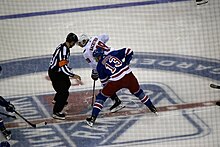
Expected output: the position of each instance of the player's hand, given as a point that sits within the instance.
(77, 77)
(10, 107)
(94, 75)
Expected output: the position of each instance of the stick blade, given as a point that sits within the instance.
(41, 124)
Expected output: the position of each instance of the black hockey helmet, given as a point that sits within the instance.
(71, 37)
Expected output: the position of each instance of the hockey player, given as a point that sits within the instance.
(91, 44)
(10, 108)
(115, 74)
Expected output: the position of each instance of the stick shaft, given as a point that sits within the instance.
(93, 93)
(33, 125)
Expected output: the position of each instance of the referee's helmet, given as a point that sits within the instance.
(71, 37)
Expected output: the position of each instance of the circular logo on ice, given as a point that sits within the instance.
(108, 130)
(209, 68)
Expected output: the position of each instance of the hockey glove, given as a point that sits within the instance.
(10, 107)
(128, 58)
(94, 75)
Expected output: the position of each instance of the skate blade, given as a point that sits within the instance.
(89, 123)
(117, 108)
(8, 137)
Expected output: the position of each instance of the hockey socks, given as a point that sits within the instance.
(97, 107)
(146, 100)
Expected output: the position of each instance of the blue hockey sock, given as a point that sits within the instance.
(97, 107)
(144, 98)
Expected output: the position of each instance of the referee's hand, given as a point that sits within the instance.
(77, 77)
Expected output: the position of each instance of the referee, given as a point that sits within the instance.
(60, 74)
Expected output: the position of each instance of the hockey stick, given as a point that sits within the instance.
(215, 86)
(12, 116)
(93, 93)
(202, 2)
(5, 102)
(31, 124)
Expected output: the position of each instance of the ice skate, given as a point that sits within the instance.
(59, 115)
(90, 121)
(7, 134)
(153, 109)
(117, 106)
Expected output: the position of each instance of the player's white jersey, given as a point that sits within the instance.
(94, 43)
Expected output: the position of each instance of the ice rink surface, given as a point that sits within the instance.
(177, 56)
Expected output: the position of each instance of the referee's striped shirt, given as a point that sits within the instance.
(60, 60)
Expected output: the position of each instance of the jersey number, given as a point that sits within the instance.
(116, 62)
(102, 46)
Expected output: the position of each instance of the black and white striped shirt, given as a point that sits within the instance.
(60, 60)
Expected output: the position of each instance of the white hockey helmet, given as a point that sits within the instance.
(83, 39)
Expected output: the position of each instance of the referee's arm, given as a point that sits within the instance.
(63, 62)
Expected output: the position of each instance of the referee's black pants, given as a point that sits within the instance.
(61, 84)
